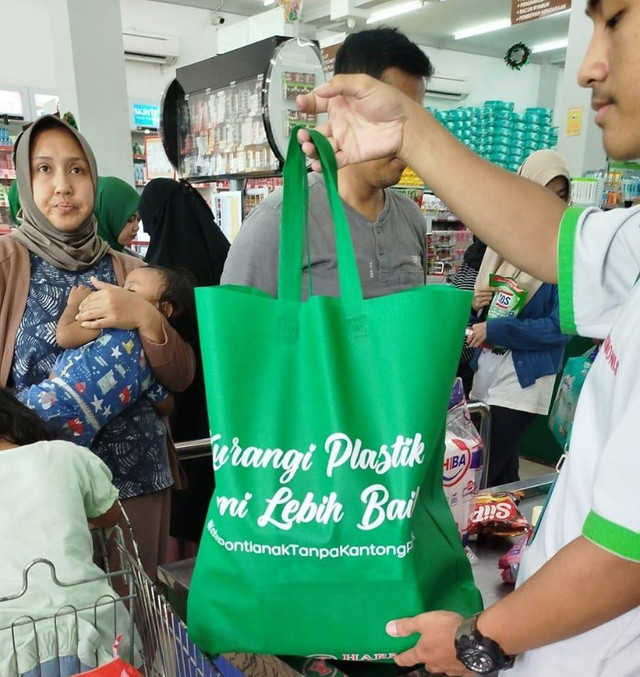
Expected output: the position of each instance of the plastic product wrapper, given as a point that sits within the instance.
(510, 563)
(498, 514)
(565, 403)
(115, 668)
(509, 297)
(462, 460)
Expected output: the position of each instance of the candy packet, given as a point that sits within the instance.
(509, 297)
(497, 514)
(510, 562)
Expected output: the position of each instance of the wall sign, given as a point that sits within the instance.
(158, 165)
(146, 115)
(574, 121)
(528, 10)
(329, 58)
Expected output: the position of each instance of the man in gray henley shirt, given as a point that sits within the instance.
(388, 230)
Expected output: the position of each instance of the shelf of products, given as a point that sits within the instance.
(616, 186)
(447, 239)
(222, 132)
(5, 213)
(500, 134)
(257, 190)
(7, 171)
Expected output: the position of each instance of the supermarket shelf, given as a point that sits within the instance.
(7, 174)
(450, 218)
(6, 149)
(206, 185)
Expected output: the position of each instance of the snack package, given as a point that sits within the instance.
(566, 400)
(497, 514)
(509, 298)
(510, 563)
(462, 460)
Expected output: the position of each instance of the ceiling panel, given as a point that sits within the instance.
(433, 25)
(244, 7)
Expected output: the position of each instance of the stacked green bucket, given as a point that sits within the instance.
(498, 133)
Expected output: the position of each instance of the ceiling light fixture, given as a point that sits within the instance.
(395, 10)
(549, 46)
(266, 3)
(482, 28)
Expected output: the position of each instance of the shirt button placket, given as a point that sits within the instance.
(382, 254)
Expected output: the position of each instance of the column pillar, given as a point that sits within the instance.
(91, 80)
(583, 151)
(547, 86)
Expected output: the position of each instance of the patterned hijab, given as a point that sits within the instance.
(78, 250)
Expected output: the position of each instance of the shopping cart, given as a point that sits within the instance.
(160, 646)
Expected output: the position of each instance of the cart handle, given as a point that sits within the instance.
(483, 410)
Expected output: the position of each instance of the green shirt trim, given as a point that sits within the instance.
(611, 536)
(566, 251)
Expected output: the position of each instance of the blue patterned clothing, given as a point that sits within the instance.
(134, 444)
(92, 384)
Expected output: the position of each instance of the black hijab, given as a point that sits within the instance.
(475, 253)
(182, 230)
(184, 234)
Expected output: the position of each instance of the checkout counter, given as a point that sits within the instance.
(175, 580)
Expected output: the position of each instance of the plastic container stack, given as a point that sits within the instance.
(498, 133)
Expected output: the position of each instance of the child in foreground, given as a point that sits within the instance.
(53, 487)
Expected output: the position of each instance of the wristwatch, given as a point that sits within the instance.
(477, 652)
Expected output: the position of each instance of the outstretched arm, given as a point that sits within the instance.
(368, 119)
(581, 587)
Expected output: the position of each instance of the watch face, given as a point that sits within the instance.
(478, 660)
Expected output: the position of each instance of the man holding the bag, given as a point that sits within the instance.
(387, 229)
(575, 611)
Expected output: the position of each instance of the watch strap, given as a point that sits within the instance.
(468, 635)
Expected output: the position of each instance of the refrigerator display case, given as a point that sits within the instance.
(230, 116)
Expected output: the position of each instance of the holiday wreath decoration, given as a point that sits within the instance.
(517, 56)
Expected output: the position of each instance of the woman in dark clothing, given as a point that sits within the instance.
(183, 234)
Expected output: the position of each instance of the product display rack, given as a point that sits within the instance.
(447, 237)
(616, 186)
(7, 175)
(228, 118)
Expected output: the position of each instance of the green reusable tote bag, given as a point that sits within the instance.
(327, 420)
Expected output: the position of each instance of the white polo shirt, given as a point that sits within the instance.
(598, 491)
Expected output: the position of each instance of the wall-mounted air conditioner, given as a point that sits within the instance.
(448, 87)
(160, 49)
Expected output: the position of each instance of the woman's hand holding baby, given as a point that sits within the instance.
(111, 306)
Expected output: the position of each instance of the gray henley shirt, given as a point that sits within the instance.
(391, 253)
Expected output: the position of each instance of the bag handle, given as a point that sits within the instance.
(295, 222)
